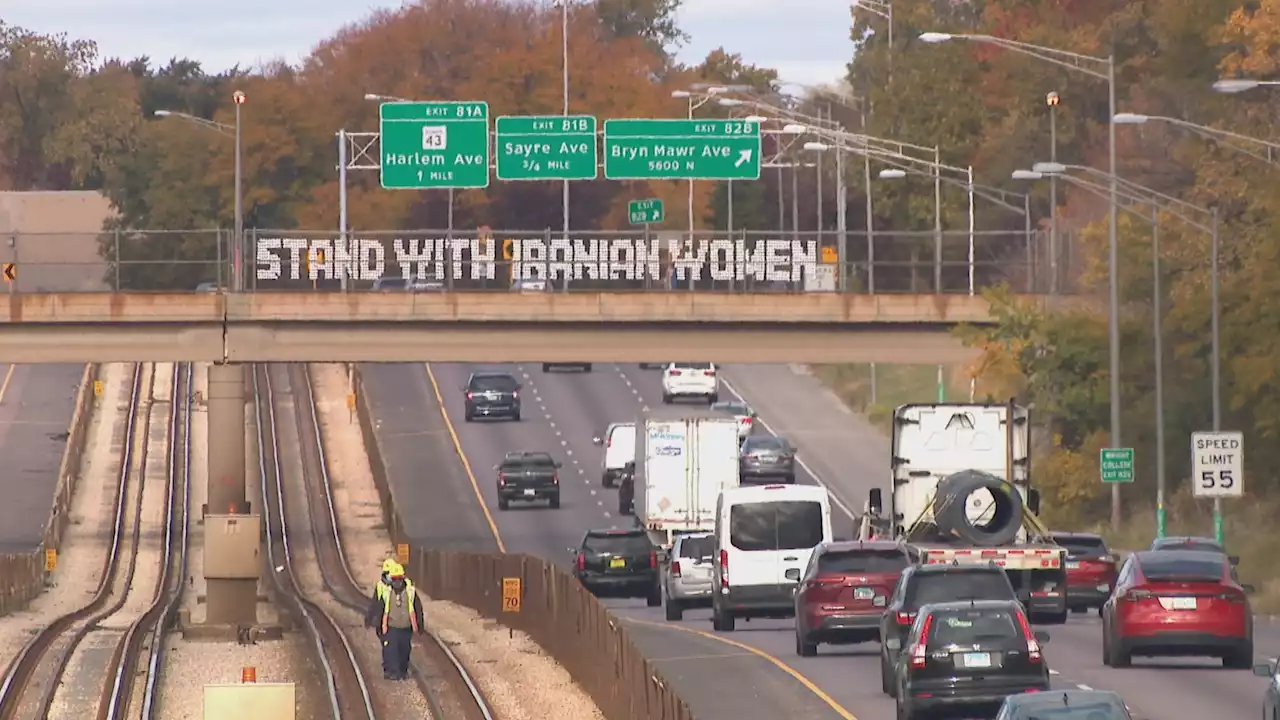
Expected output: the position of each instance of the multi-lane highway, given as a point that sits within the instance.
(753, 672)
(36, 402)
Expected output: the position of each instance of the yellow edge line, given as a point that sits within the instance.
(800, 678)
(493, 528)
(466, 464)
(4, 387)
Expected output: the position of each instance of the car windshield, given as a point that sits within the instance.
(730, 407)
(691, 366)
(527, 459)
(1086, 711)
(1082, 544)
(1199, 544)
(853, 562)
(764, 442)
(619, 544)
(698, 548)
(1162, 566)
(501, 383)
(782, 525)
(950, 586)
(974, 627)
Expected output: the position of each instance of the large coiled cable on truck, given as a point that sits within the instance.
(1000, 521)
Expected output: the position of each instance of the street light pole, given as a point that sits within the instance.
(564, 50)
(240, 283)
(937, 221)
(1157, 325)
(1113, 262)
(1052, 101)
(972, 255)
(1215, 355)
(342, 197)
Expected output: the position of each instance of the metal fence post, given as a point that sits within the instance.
(116, 263)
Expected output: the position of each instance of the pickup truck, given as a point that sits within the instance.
(528, 476)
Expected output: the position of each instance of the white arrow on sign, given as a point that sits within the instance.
(744, 156)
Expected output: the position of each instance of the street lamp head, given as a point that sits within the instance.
(1049, 168)
(717, 89)
(729, 102)
(1129, 119)
(935, 37)
(372, 96)
(1027, 175)
(674, 94)
(892, 174)
(238, 97)
(794, 129)
(1236, 85)
(1051, 99)
(817, 146)
(162, 113)
(757, 119)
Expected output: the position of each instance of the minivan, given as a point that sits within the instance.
(619, 441)
(765, 536)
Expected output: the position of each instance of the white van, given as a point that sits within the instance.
(765, 536)
(619, 441)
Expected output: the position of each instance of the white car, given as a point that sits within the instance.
(690, 380)
(742, 412)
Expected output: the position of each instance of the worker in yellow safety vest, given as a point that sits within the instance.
(399, 616)
(389, 566)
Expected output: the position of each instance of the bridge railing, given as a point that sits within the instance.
(528, 261)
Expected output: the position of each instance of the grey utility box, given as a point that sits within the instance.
(232, 547)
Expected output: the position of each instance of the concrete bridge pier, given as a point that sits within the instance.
(232, 533)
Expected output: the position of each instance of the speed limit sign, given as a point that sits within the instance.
(1217, 464)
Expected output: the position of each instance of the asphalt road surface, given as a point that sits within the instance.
(753, 672)
(36, 402)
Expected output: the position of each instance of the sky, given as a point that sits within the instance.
(807, 41)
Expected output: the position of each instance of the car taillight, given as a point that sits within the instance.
(904, 618)
(1033, 645)
(675, 569)
(555, 478)
(724, 568)
(470, 395)
(582, 561)
(1136, 595)
(917, 650)
(502, 479)
(653, 559)
(1234, 596)
(709, 373)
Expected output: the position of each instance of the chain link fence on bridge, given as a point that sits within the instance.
(535, 261)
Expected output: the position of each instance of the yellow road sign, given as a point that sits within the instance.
(351, 401)
(97, 388)
(10, 271)
(508, 250)
(829, 255)
(50, 560)
(402, 553)
(511, 595)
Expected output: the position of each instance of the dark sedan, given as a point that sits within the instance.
(766, 458)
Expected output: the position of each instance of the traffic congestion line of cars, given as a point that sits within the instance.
(954, 626)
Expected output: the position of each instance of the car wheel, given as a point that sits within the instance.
(586, 368)
(1241, 659)
(715, 398)
(546, 368)
(886, 682)
(1106, 645)
(468, 416)
(805, 648)
(555, 501)
(515, 416)
(721, 622)
(606, 480)
(503, 504)
(654, 598)
(666, 398)
(675, 611)
(1120, 656)
(625, 509)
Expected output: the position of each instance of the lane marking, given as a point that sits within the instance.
(4, 386)
(776, 662)
(835, 498)
(466, 464)
(681, 658)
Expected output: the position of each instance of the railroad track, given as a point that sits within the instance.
(90, 657)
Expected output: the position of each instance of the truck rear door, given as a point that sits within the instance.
(667, 471)
(714, 445)
(945, 439)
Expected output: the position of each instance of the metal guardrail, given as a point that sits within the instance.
(498, 260)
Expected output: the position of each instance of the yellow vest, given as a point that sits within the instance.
(410, 596)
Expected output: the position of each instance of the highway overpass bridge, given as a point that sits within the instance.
(487, 327)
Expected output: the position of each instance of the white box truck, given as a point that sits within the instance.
(684, 459)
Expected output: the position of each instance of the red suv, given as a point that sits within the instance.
(1091, 570)
(1178, 602)
(845, 591)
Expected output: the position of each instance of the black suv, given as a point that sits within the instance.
(967, 656)
(528, 476)
(921, 585)
(619, 563)
(492, 394)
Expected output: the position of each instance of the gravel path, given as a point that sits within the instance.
(190, 665)
(519, 680)
(88, 534)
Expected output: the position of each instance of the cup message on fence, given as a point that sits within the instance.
(563, 259)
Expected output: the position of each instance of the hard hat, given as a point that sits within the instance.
(397, 571)
(389, 566)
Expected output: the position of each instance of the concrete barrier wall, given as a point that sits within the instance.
(568, 622)
(23, 574)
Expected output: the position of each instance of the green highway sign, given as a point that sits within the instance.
(1116, 465)
(434, 145)
(681, 150)
(554, 147)
(645, 212)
